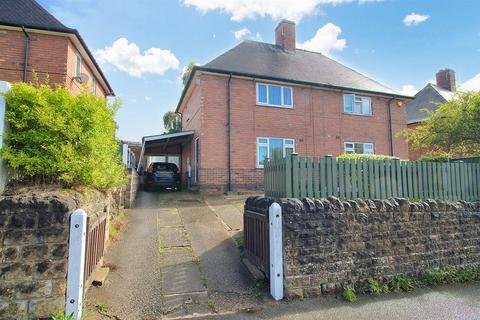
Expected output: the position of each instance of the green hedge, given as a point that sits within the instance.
(56, 137)
(365, 156)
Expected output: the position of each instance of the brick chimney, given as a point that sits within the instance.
(285, 35)
(446, 79)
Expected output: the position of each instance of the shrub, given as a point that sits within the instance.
(374, 287)
(355, 156)
(56, 137)
(435, 277)
(349, 294)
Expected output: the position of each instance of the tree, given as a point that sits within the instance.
(172, 122)
(453, 130)
(186, 72)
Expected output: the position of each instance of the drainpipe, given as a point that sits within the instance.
(229, 147)
(390, 133)
(26, 45)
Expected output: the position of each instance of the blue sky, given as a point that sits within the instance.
(143, 45)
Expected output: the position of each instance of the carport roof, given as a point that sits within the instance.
(165, 144)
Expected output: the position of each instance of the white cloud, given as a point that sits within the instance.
(126, 56)
(239, 10)
(414, 19)
(239, 34)
(325, 40)
(148, 99)
(409, 90)
(472, 84)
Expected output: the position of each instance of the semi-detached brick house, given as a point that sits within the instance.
(261, 100)
(31, 39)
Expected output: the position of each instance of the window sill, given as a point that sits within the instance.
(273, 106)
(358, 114)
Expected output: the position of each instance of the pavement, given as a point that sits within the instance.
(460, 301)
(178, 258)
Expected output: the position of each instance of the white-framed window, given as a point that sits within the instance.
(357, 104)
(78, 64)
(94, 86)
(273, 148)
(359, 147)
(274, 95)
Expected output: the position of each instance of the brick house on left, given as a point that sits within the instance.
(33, 40)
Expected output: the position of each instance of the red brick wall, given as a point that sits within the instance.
(48, 54)
(317, 123)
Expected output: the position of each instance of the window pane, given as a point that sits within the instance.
(262, 154)
(288, 151)
(366, 106)
(287, 96)
(358, 147)
(348, 103)
(263, 140)
(276, 148)
(368, 148)
(358, 105)
(288, 141)
(275, 95)
(262, 93)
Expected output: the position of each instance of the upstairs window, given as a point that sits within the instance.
(358, 147)
(357, 104)
(78, 64)
(94, 86)
(273, 148)
(274, 95)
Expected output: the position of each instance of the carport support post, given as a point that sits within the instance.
(276, 251)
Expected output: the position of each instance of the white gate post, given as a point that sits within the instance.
(276, 251)
(76, 264)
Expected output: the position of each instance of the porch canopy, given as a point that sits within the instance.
(163, 145)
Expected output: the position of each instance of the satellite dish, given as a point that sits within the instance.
(82, 78)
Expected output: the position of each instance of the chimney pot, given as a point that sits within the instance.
(446, 79)
(285, 35)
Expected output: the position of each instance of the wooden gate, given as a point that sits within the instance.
(256, 240)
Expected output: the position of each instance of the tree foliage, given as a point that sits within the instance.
(57, 137)
(172, 122)
(186, 72)
(453, 130)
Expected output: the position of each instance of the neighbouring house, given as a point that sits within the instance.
(33, 40)
(261, 100)
(430, 98)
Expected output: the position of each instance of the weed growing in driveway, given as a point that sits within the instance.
(204, 281)
(61, 316)
(349, 294)
(239, 243)
(257, 289)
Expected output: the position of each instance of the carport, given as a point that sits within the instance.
(167, 145)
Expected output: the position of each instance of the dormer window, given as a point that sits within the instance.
(274, 95)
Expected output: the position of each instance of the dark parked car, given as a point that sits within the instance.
(161, 175)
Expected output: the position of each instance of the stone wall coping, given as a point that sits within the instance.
(333, 204)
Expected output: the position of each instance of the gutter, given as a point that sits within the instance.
(390, 132)
(305, 83)
(26, 53)
(229, 146)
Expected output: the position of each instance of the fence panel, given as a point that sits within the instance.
(364, 178)
(256, 239)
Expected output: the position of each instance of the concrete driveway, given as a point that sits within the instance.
(176, 259)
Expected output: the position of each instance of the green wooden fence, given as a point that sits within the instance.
(298, 177)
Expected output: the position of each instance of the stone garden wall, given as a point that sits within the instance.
(330, 243)
(34, 232)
